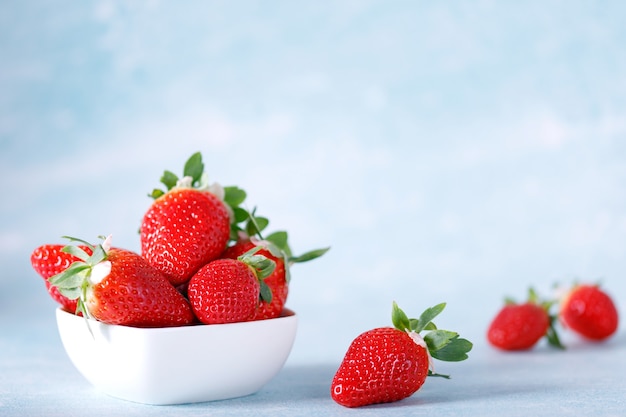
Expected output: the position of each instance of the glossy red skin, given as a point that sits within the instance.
(224, 291)
(276, 280)
(518, 326)
(381, 365)
(138, 295)
(48, 260)
(590, 312)
(182, 231)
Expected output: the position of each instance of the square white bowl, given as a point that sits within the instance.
(176, 365)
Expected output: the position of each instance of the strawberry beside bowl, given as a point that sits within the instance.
(177, 365)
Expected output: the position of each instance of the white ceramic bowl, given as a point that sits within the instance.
(177, 365)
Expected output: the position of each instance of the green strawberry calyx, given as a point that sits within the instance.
(77, 280)
(440, 344)
(262, 268)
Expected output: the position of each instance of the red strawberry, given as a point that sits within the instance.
(388, 364)
(519, 326)
(276, 248)
(48, 260)
(276, 281)
(185, 227)
(117, 286)
(590, 312)
(228, 290)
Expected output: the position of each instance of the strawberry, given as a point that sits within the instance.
(187, 226)
(590, 312)
(274, 247)
(276, 281)
(388, 364)
(519, 326)
(48, 260)
(228, 290)
(118, 286)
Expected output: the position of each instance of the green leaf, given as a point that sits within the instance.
(265, 293)
(241, 214)
(71, 277)
(169, 179)
(399, 318)
(430, 326)
(262, 265)
(287, 274)
(533, 297)
(156, 193)
(234, 232)
(249, 253)
(234, 196)
(427, 316)
(279, 239)
(455, 351)
(75, 239)
(256, 225)
(97, 256)
(76, 251)
(194, 167)
(308, 256)
(437, 339)
(71, 293)
(552, 336)
(509, 301)
(273, 249)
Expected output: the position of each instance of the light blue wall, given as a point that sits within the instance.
(447, 151)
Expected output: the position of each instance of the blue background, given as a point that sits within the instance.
(446, 151)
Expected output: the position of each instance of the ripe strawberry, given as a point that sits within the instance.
(276, 281)
(276, 248)
(388, 364)
(117, 286)
(187, 226)
(48, 260)
(519, 326)
(228, 290)
(590, 312)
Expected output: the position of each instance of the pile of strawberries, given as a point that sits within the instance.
(585, 309)
(204, 259)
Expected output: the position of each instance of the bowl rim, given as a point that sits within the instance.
(286, 314)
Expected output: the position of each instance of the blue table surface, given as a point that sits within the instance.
(37, 378)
